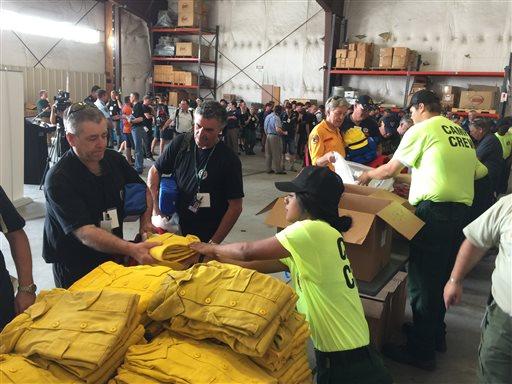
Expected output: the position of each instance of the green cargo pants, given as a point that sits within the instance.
(432, 256)
(495, 350)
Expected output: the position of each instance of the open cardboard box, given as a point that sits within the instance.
(385, 311)
(368, 241)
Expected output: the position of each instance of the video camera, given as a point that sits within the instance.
(62, 100)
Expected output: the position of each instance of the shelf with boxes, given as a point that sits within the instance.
(170, 48)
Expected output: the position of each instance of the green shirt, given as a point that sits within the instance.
(506, 143)
(327, 291)
(443, 161)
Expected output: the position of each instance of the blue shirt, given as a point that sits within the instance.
(272, 121)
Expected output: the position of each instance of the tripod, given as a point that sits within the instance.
(54, 154)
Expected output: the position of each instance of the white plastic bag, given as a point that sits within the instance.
(167, 224)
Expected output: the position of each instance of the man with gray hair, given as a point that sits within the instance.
(208, 176)
(325, 138)
(84, 195)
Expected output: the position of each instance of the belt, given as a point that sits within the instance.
(271, 134)
(342, 358)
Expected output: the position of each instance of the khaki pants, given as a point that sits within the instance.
(232, 139)
(274, 153)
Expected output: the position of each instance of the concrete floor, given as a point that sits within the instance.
(457, 366)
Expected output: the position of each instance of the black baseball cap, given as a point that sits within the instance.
(366, 101)
(320, 182)
(424, 96)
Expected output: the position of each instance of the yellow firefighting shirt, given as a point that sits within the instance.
(506, 143)
(328, 294)
(443, 161)
(323, 139)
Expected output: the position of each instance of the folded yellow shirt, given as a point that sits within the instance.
(170, 358)
(143, 280)
(78, 330)
(174, 249)
(223, 295)
(17, 369)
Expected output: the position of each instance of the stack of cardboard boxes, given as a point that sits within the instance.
(173, 75)
(188, 49)
(479, 97)
(375, 213)
(356, 55)
(396, 58)
(192, 13)
(174, 98)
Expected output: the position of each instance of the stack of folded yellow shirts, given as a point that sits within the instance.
(171, 358)
(238, 306)
(143, 280)
(17, 369)
(85, 333)
(174, 249)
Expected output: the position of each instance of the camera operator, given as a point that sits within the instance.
(57, 109)
(101, 104)
(43, 105)
(84, 205)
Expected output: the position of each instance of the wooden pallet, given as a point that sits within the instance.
(387, 69)
(480, 111)
(353, 69)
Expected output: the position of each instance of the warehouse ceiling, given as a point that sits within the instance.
(146, 10)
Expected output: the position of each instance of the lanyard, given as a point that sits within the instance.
(200, 172)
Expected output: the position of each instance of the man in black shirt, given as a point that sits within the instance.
(85, 204)
(11, 225)
(289, 120)
(92, 97)
(208, 175)
(114, 107)
(141, 124)
(232, 128)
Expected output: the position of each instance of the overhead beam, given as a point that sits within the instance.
(332, 6)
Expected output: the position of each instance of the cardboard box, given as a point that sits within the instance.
(477, 100)
(174, 98)
(351, 62)
(188, 78)
(270, 93)
(368, 241)
(385, 61)
(189, 49)
(385, 52)
(352, 47)
(363, 61)
(163, 73)
(341, 62)
(401, 57)
(229, 96)
(341, 53)
(385, 311)
(352, 54)
(364, 49)
(191, 13)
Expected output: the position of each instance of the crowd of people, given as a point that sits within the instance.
(458, 169)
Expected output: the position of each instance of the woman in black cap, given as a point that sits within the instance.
(312, 249)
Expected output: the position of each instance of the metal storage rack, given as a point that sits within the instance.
(208, 37)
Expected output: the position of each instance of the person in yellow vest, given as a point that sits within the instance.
(325, 138)
(444, 166)
(504, 135)
(312, 249)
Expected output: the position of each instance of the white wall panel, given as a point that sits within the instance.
(135, 54)
(77, 83)
(449, 35)
(67, 55)
(249, 28)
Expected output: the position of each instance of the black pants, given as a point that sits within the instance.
(356, 366)
(6, 296)
(432, 256)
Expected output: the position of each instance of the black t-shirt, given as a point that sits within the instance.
(242, 117)
(369, 126)
(308, 120)
(289, 123)
(233, 119)
(89, 100)
(252, 123)
(223, 181)
(76, 197)
(113, 107)
(139, 110)
(490, 154)
(10, 221)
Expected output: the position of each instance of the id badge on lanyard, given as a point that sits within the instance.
(200, 200)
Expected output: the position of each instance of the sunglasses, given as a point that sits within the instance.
(76, 107)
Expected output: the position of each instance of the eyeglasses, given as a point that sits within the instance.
(76, 107)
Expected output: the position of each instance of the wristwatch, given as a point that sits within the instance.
(32, 288)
